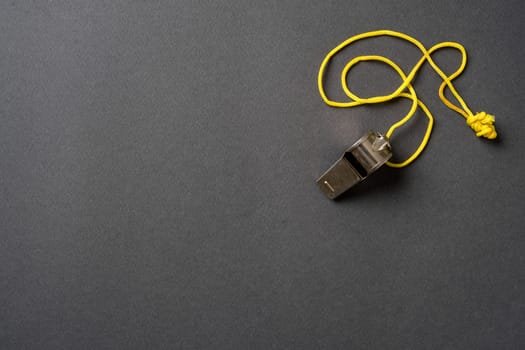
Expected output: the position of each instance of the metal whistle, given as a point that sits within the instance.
(360, 160)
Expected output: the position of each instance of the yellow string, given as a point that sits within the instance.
(481, 122)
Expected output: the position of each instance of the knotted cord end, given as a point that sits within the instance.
(483, 125)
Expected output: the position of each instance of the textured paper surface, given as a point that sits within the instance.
(158, 164)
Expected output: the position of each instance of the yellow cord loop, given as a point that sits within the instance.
(482, 123)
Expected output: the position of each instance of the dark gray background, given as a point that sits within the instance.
(157, 168)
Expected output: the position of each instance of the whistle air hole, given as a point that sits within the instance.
(355, 164)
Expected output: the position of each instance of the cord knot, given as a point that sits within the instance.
(483, 125)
